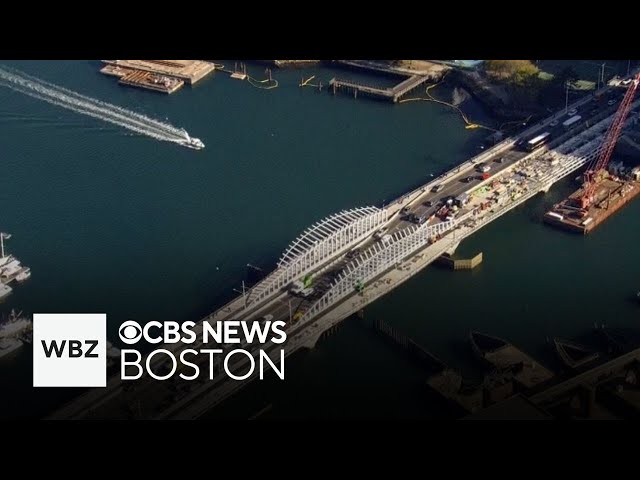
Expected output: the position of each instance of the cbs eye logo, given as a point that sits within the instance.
(130, 332)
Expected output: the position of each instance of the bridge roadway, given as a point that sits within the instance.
(156, 399)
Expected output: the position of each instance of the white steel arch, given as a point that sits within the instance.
(378, 259)
(317, 245)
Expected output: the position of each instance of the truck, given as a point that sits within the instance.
(462, 199)
(298, 288)
(571, 121)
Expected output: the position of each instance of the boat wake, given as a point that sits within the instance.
(62, 97)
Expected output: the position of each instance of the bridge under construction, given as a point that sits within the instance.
(354, 257)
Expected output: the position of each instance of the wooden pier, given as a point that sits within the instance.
(394, 93)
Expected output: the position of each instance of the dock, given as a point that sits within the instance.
(11, 269)
(442, 380)
(166, 76)
(143, 79)
(189, 71)
(430, 69)
(611, 195)
(394, 93)
(295, 63)
(502, 356)
(529, 373)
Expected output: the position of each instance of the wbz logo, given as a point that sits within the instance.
(75, 348)
(69, 350)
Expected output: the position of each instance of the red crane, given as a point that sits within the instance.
(611, 138)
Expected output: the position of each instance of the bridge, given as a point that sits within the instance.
(350, 266)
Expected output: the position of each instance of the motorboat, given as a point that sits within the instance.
(191, 142)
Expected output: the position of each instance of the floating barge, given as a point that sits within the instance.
(142, 79)
(611, 195)
(164, 76)
(189, 71)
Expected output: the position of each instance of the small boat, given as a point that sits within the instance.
(572, 354)
(191, 142)
(24, 275)
(483, 344)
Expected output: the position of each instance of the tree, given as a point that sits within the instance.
(566, 75)
(515, 71)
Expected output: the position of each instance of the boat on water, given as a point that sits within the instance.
(484, 344)
(9, 346)
(191, 142)
(5, 290)
(25, 274)
(572, 354)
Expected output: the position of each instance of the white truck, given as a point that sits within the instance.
(298, 288)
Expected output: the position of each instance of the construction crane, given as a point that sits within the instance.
(599, 164)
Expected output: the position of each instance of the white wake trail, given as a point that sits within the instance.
(60, 96)
(75, 96)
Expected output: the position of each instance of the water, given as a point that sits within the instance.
(65, 98)
(117, 222)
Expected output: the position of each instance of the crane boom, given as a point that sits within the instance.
(608, 144)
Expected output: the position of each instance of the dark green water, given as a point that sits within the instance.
(111, 221)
